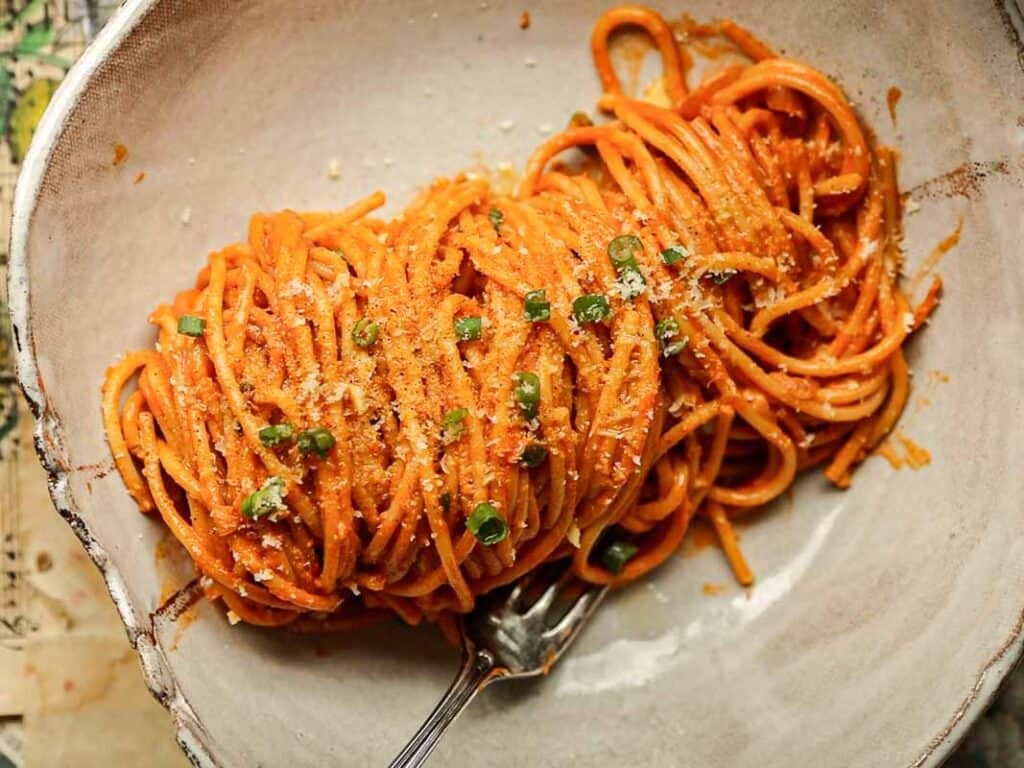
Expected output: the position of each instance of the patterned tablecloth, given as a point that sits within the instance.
(71, 692)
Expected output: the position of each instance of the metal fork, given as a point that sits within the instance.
(503, 640)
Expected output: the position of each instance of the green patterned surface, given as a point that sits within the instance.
(39, 39)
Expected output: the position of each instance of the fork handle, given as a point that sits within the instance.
(476, 671)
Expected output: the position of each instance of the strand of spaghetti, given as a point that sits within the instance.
(762, 489)
(331, 222)
(113, 385)
(257, 615)
(129, 418)
(573, 137)
(177, 471)
(898, 395)
(730, 545)
(672, 492)
(855, 388)
(660, 32)
(691, 106)
(928, 304)
(699, 417)
(746, 40)
(865, 302)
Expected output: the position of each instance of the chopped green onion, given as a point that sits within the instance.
(446, 501)
(676, 347)
(667, 333)
(533, 455)
(622, 251)
(189, 325)
(469, 328)
(317, 439)
(496, 217)
(617, 554)
(580, 120)
(365, 332)
(674, 253)
(268, 499)
(536, 307)
(527, 393)
(721, 277)
(452, 426)
(591, 308)
(666, 329)
(487, 525)
(276, 434)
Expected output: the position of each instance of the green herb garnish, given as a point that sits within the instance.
(365, 332)
(268, 499)
(617, 554)
(721, 277)
(536, 307)
(276, 434)
(487, 525)
(452, 426)
(674, 254)
(669, 339)
(497, 218)
(591, 308)
(188, 325)
(622, 251)
(317, 440)
(527, 393)
(469, 328)
(533, 455)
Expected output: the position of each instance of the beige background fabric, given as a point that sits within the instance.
(73, 678)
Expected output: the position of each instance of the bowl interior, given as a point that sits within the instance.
(881, 615)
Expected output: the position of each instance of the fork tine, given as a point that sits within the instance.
(543, 603)
(567, 627)
(515, 597)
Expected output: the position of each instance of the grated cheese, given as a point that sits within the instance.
(573, 535)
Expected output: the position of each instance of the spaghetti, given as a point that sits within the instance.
(349, 417)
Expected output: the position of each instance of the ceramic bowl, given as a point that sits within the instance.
(884, 617)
